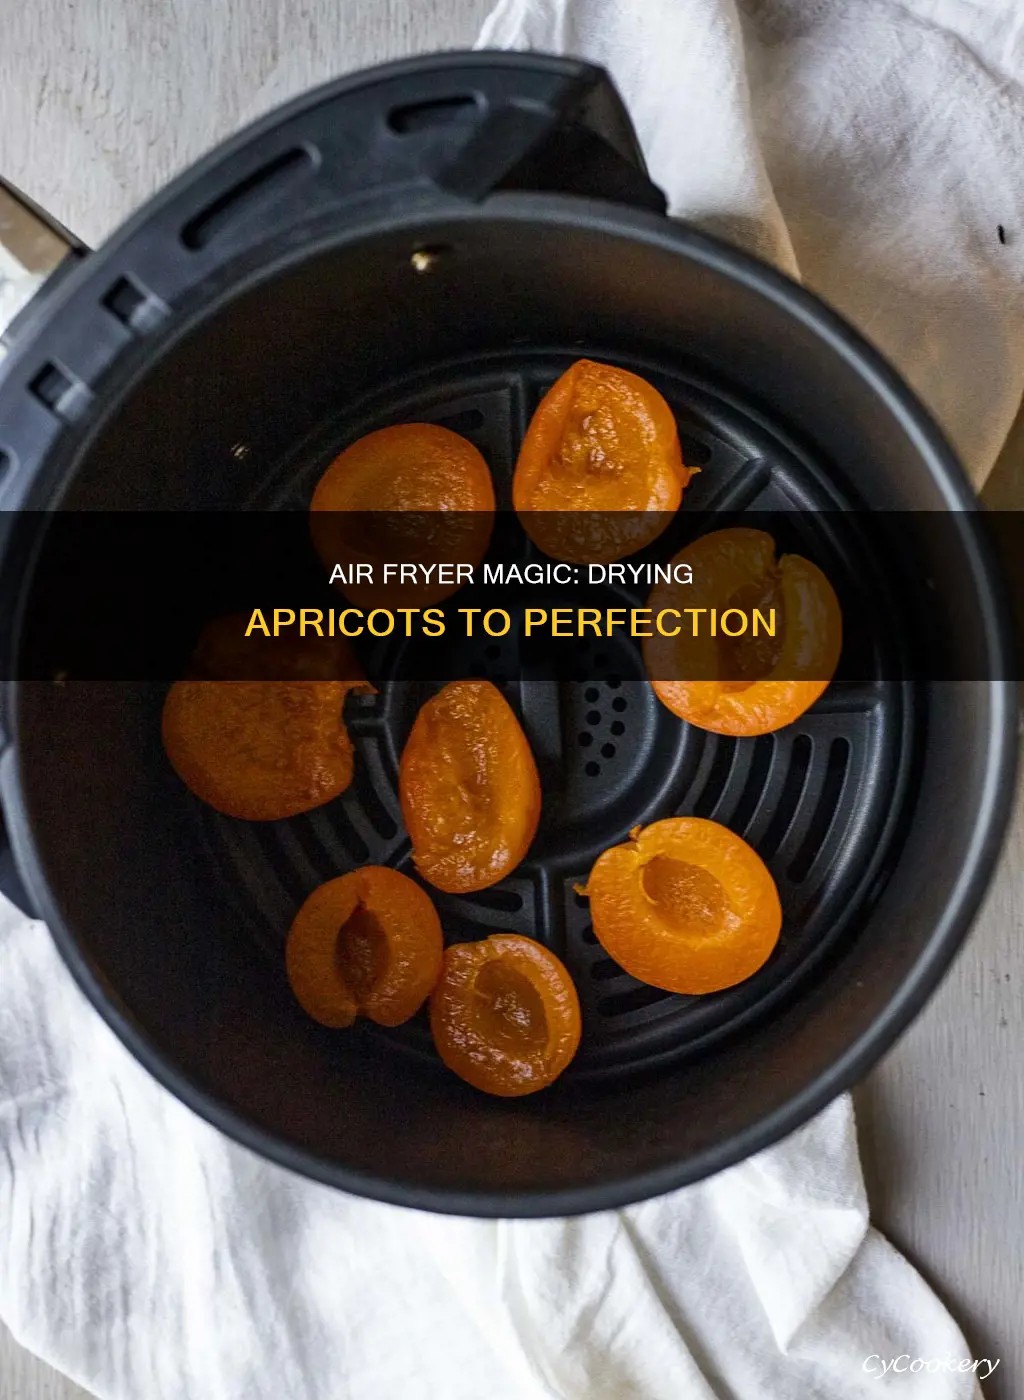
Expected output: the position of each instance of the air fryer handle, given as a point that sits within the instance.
(473, 123)
(416, 134)
(575, 137)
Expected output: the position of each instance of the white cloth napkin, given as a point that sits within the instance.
(874, 149)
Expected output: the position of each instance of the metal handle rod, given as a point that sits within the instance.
(32, 245)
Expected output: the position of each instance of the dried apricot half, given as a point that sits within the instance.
(367, 944)
(749, 684)
(600, 472)
(686, 905)
(469, 788)
(262, 749)
(415, 493)
(505, 1015)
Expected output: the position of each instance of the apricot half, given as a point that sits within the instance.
(469, 788)
(416, 494)
(686, 905)
(750, 684)
(600, 472)
(262, 750)
(367, 944)
(505, 1015)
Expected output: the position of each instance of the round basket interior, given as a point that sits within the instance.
(867, 810)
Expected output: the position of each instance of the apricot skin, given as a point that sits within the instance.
(600, 473)
(469, 788)
(413, 493)
(685, 905)
(505, 1015)
(262, 750)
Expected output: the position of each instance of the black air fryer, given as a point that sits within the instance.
(438, 240)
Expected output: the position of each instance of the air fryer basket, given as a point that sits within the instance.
(821, 800)
(879, 813)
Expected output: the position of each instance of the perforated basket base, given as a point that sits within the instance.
(819, 800)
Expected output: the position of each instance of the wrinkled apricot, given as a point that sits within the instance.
(750, 684)
(505, 1015)
(262, 749)
(367, 944)
(600, 472)
(686, 905)
(416, 494)
(469, 788)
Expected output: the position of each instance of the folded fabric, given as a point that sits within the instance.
(874, 150)
(151, 1259)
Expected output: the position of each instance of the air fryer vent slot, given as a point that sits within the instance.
(789, 798)
(61, 392)
(756, 782)
(137, 308)
(441, 111)
(257, 190)
(508, 901)
(825, 809)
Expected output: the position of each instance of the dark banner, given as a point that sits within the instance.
(858, 596)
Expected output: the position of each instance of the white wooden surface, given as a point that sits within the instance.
(101, 101)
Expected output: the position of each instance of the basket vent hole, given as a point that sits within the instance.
(352, 841)
(589, 936)
(824, 810)
(607, 750)
(619, 704)
(591, 694)
(593, 716)
(279, 862)
(604, 970)
(721, 764)
(613, 682)
(373, 807)
(585, 739)
(617, 727)
(580, 900)
(508, 901)
(592, 769)
(757, 777)
(789, 799)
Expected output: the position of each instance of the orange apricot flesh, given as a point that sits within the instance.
(505, 1015)
(686, 905)
(366, 944)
